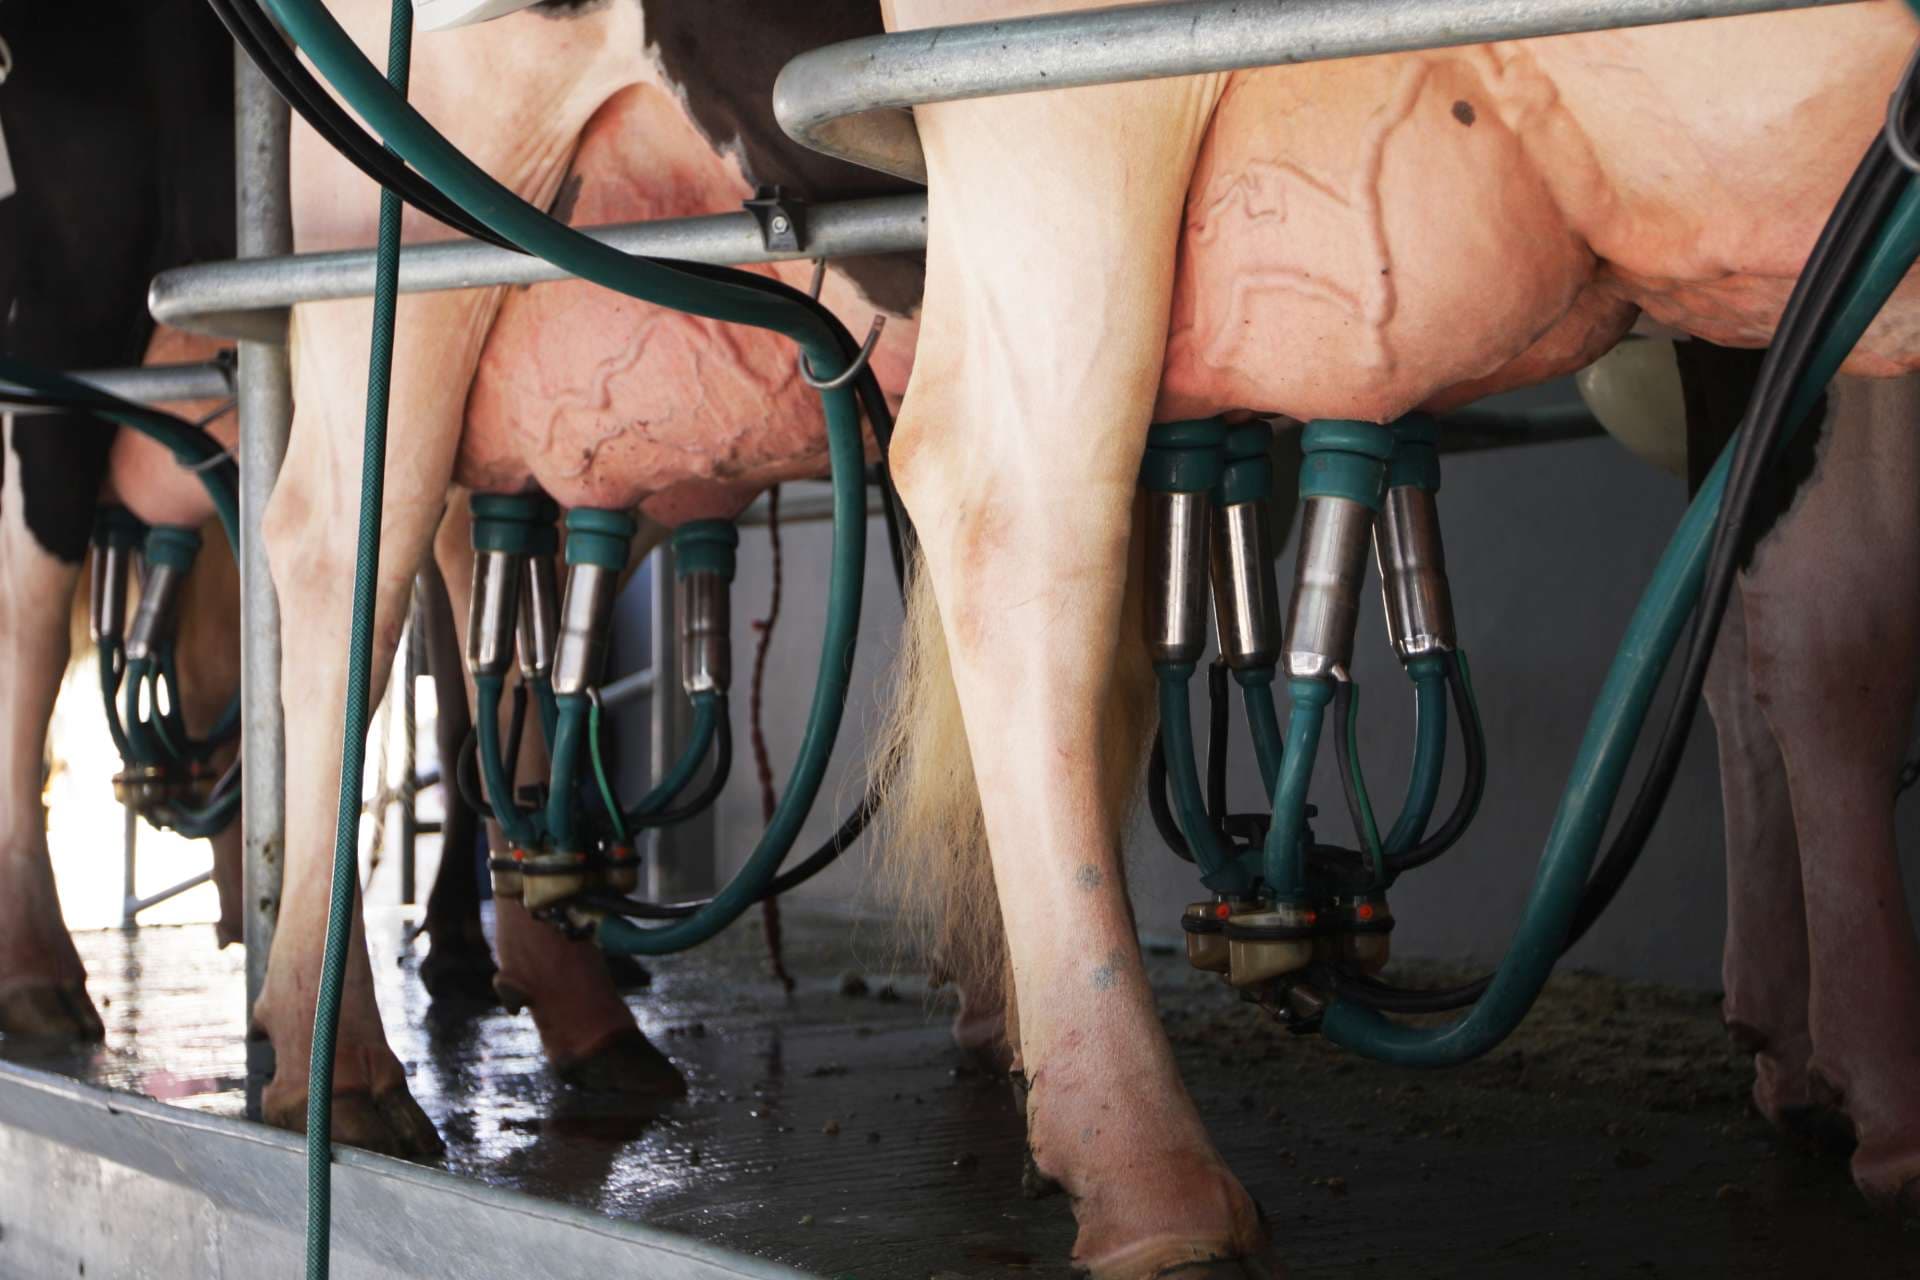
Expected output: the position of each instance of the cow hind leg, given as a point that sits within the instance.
(43, 987)
(1017, 453)
(1834, 637)
(1765, 964)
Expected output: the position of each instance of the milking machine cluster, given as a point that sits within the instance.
(1284, 906)
(570, 851)
(167, 775)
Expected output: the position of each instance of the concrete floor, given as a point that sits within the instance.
(837, 1132)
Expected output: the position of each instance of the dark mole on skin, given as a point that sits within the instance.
(1089, 877)
(1463, 112)
(1108, 972)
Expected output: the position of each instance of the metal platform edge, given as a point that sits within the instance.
(95, 1182)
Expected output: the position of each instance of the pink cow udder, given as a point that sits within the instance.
(605, 401)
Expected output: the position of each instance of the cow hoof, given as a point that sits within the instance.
(1165, 1260)
(460, 972)
(1819, 1128)
(628, 974)
(1035, 1185)
(626, 1063)
(389, 1123)
(51, 1013)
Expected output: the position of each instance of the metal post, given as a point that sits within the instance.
(130, 841)
(265, 395)
(410, 668)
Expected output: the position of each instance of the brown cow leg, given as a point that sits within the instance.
(1833, 627)
(460, 965)
(43, 988)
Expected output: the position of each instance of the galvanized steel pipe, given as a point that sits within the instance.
(249, 298)
(850, 99)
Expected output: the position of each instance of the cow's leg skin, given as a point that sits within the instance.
(519, 122)
(460, 965)
(43, 988)
(1833, 618)
(1764, 968)
(587, 1030)
(1018, 451)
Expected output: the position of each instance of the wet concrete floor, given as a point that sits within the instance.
(835, 1130)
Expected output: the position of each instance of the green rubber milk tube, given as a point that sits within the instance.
(353, 746)
(1601, 764)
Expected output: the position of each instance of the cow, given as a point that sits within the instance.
(119, 128)
(597, 399)
(119, 134)
(1134, 261)
(1306, 242)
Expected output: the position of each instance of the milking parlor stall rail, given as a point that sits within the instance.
(851, 100)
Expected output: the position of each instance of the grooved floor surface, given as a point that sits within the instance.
(835, 1131)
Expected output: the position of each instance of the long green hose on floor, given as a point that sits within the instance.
(353, 746)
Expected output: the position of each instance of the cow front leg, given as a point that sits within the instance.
(1764, 967)
(43, 988)
(1833, 623)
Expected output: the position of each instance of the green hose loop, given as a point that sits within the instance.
(366, 578)
(708, 706)
(1429, 674)
(1285, 862)
(1220, 867)
(1607, 747)
(1263, 721)
(112, 673)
